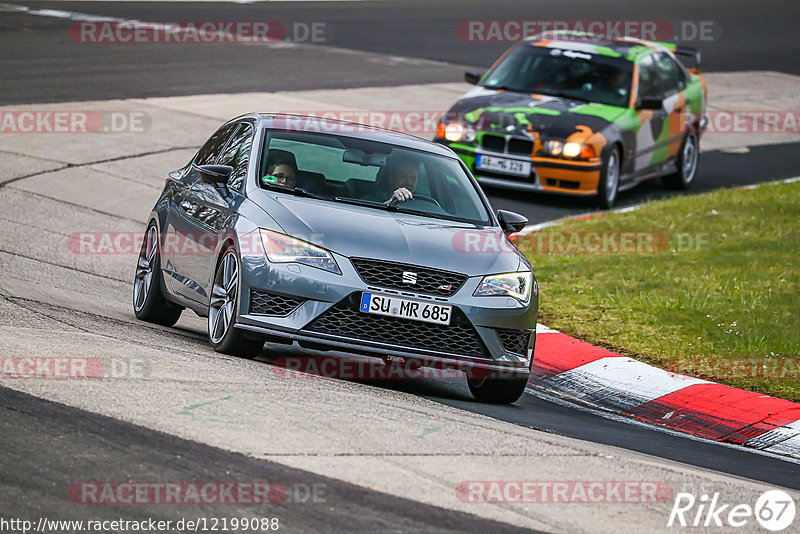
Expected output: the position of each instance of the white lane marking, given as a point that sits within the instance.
(790, 447)
(539, 226)
(617, 383)
(618, 418)
(775, 436)
(542, 329)
(375, 57)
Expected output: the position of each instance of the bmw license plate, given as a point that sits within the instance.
(514, 167)
(415, 310)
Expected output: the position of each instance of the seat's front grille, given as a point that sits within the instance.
(409, 277)
(265, 303)
(344, 319)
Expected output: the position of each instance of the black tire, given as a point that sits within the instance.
(149, 303)
(608, 186)
(688, 159)
(497, 389)
(223, 308)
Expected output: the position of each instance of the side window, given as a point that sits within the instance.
(649, 85)
(672, 77)
(237, 155)
(208, 154)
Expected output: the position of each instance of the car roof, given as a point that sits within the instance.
(627, 48)
(322, 125)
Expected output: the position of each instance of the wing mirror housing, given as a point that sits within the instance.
(472, 77)
(511, 222)
(216, 175)
(650, 102)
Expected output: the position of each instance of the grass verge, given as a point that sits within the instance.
(704, 285)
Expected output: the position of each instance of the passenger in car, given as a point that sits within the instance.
(281, 173)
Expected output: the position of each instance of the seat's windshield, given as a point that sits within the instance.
(369, 173)
(565, 73)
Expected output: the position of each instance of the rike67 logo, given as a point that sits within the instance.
(774, 510)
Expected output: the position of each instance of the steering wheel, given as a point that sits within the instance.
(426, 198)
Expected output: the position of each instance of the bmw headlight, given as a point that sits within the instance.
(554, 148)
(282, 248)
(516, 285)
(572, 150)
(455, 131)
(569, 150)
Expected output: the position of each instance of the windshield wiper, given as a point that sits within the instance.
(561, 94)
(301, 192)
(504, 88)
(296, 191)
(366, 203)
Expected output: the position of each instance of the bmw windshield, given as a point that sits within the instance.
(372, 174)
(563, 73)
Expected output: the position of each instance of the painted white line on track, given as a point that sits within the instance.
(542, 329)
(776, 436)
(388, 59)
(611, 416)
(620, 382)
(626, 209)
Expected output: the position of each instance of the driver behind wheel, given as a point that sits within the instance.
(401, 179)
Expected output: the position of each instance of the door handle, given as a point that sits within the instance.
(186, 205)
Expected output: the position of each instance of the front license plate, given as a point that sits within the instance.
(503, 165)
(415, 310)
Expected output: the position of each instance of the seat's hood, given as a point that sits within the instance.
(524, 113)
(356, 231)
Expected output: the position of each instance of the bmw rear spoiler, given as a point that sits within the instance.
(690, 57)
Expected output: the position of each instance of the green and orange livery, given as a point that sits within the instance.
(573, 113)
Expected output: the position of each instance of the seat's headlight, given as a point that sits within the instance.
(516, 285)
(282, 248)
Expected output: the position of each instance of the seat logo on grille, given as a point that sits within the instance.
(409, 277)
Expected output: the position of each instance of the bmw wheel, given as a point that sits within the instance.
(149, 303)
(687, 165)
(608, 186)
(223, 307)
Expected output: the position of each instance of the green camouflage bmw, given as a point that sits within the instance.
(571, 113)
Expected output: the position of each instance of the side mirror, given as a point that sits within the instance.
(216, 175)
(511, 222)
(472, 77)
(650, 102)
(690, 57)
